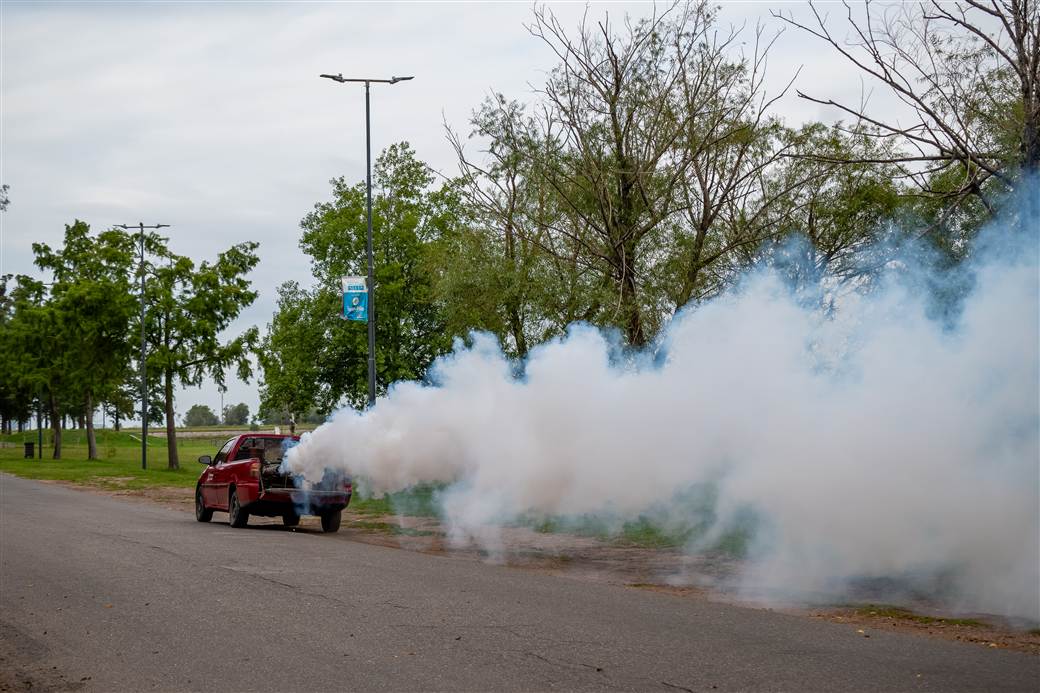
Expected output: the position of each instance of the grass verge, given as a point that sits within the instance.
(119, 466)
(901, 614)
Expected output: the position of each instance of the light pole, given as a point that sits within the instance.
(368, 186)
(144, 377)
(39, 406)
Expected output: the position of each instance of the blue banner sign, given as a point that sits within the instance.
(355, 299)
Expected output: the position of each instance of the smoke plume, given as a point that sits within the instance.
(893, 435)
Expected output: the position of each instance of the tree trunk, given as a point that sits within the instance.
(171, 428)
(516, 325)
(634, 329)
(693, 269)
(56, 425)
(91, 440)
(81, 422)
(629, 300)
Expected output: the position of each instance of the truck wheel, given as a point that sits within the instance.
(290, 519)
(330, 521)
(237, 517)
(202, 513)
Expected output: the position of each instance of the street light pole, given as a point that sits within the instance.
(368, 203)
(144, 376)
(371, 261)
(39, 409)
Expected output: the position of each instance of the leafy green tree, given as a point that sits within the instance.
(503, 269)
(846, 208)
(34, 351)
(16, 396)
(288, 356)
(119, 404)
(188, 306)
(236, 415)
(310, 356)
(200, 415)
(93, 304)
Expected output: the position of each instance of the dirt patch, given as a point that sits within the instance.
(971, 630)
(176, 497)
(171, 496)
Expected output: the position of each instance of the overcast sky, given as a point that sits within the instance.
(210, 116)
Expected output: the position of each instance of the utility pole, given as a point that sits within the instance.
(144, 373)
(39, 406)
(368, 245)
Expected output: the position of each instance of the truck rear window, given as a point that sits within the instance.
(270, 450)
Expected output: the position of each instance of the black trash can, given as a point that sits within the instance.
(30, 451)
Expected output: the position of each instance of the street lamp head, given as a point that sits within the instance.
(366, 80)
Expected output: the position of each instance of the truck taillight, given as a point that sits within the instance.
(254, 470)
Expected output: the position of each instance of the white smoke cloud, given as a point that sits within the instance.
(868, 442)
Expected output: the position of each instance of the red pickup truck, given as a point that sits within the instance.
(246, 478)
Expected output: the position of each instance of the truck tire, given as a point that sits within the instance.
(330, 521)
(237, 517)
(202, 513)
(290, 519)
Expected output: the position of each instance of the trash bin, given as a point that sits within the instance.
(30, 451)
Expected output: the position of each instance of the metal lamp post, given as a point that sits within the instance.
(368, 186)
(144, 378)
(39, 410)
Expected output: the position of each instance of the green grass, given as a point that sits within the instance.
(417, 501)
(642, 532)
(895, 612)
(390, 528)
(119, 465)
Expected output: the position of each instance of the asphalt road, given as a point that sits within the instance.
(98, 593)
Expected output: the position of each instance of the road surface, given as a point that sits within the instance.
(103, 594)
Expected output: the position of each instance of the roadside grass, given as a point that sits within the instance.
(119, 463)
(418, 501)
(899, 613)
(644, 532)
(390, 528)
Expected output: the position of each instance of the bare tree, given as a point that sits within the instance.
(728, 207)
(969, 73)
(642, 171)
(612, 136)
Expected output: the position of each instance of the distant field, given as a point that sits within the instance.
(119, 465)
(195, 430)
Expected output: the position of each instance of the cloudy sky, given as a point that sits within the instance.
(210, 116)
